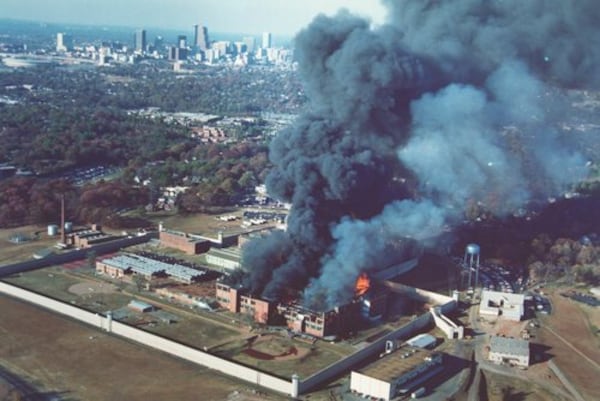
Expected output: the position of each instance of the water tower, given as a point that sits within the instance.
(471, 262)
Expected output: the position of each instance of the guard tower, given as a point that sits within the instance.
(471, 262)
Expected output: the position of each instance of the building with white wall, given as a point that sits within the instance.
(64, 42)
(397, 373)
(509, 306)
(513, 351)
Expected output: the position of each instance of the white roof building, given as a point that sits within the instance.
(509, 306)
(509, 350)
(396, 374)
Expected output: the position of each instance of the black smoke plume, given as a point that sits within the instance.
(445, 105)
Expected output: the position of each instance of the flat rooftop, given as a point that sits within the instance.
(496, 296)
(509, 346)
(391, 366)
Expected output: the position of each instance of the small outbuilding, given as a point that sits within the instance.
(140, 306)
(514, 351)
(422, 341)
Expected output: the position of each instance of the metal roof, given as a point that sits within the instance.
(141, 305)
(227, 254)
(422, 341)
(146, 266)
(397, 363)
(509, 346)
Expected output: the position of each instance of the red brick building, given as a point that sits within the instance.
(236, 301)
(320, 324)
(183, 242)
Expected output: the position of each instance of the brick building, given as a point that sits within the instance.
(235, 300)
(183, 242)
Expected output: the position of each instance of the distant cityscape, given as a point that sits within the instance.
(193, 48)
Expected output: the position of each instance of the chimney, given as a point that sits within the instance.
(63, 237)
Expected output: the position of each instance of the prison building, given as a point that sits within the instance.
(228, 259)
(114, 270)
(121, 265)
(513, 351)
(509, 306)
(183, 242)
(396, 373)
(236, 300)
(87, 238)
(320, 324)
(228, 297)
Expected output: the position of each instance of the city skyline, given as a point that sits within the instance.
(227, 16)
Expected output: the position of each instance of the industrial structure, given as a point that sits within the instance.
(507, 305)
(397, 373)
(471, 263)
(513, 351)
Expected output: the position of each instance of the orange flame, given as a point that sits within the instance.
(362, 284)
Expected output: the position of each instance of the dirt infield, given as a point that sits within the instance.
(268, 348)
(80, 363)
(575, 348)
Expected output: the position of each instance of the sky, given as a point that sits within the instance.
(284, 17)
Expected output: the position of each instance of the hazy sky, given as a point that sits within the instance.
(247, 16)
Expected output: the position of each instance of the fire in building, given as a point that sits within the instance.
(370, 302)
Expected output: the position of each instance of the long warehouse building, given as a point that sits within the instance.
(397, 373)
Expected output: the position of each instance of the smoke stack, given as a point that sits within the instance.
(63, 236)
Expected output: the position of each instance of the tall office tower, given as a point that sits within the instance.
(201, 37)
(139, 40)
(266, 40)
(182, 41)
(64, 42)
(158, 43)
(250, 42)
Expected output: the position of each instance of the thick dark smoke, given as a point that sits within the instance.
(408, 123)
(470, 38)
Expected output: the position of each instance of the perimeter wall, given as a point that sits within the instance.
(151, 340)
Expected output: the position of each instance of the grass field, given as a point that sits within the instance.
(198, 330)
(281, 355)
(189, 328)
(61, 356)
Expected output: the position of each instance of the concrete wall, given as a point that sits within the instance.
(71, 256)
(377, 347)
(450, 329)
(151, 340)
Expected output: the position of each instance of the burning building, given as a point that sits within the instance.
(339, 320)
(369, 302)
(406, 127)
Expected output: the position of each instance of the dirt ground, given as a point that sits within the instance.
(500, 388)
(580, 362)
(64, 357)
